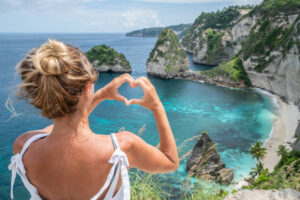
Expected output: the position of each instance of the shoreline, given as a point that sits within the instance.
(285, 123)
(283, 131)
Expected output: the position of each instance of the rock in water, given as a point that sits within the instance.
(167, 59)
(205, 162)
(104, 59)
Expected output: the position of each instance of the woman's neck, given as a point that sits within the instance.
(75, 125)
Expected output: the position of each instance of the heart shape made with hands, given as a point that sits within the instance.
(135, 98)
(130, 92)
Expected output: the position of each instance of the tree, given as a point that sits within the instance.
(258, 151)
(282, 151)
(256, 170)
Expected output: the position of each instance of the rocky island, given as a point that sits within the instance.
(106, 59)
(167, 59)
(205, 162)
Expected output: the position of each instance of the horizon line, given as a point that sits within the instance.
(64, 32)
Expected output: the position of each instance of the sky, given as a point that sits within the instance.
(102, 16)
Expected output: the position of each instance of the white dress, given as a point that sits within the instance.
(118, 160)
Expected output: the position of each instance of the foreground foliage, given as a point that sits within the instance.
(285, 175)
(144, 186)
(153, 186)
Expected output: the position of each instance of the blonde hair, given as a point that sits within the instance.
(53, 77)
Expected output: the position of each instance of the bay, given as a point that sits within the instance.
(234, 118)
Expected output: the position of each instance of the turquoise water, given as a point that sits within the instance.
(198, 67)
(234, 118)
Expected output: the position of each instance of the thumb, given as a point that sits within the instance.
(121, 98)
(135, 101)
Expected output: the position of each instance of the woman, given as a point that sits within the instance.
(67, 160)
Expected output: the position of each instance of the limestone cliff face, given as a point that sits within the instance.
(278, 69)
(205, 162)
(233, 38)
(106, 59)
(167, 59)
(230, 42)
(266, 38)
(213, 40)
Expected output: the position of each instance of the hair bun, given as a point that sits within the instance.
(52, 58)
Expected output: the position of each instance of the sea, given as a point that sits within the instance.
(233, 118)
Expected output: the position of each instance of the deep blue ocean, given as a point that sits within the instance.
(234, 118)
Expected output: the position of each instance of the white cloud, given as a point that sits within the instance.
(83, 15)
(79, 17)
(140, 19)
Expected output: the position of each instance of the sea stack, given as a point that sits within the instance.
(168, 59)
(106, 59)
(205, 162)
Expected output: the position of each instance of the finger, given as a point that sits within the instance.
(146, 80)
(140, 82)
(121, 98)
(124, 79)
(142, 78)
(135, 101)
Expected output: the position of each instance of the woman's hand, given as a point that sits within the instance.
(110, 91)
(150, 99)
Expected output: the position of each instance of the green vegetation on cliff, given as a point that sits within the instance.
(220, 19)
(206, 34)
(233, 69)
(215, 47)
(274, 7)
(107, 56)
(269, 35)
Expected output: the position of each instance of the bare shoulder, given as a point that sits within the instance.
(127, 140)
(21, 140)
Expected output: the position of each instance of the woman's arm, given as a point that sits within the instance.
(144, 156)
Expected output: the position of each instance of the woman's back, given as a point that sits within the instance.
(70, 168)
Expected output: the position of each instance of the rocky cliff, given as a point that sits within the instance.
(167, 59)
(266, 40)
(216, 36)
(270, 54)
(205, 162)
(105, 59)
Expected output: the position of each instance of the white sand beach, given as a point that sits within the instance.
(283, 132)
